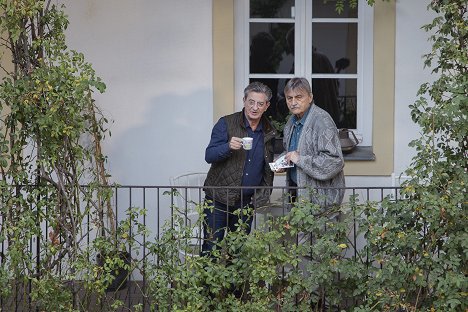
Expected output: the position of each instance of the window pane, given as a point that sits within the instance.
(278, 110)
(271, 48)
(338, 98)
(322, 9)
(334, 56)
(271, 8)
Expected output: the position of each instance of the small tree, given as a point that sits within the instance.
(421, 241)
(50, 148)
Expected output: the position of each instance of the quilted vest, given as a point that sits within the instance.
(228, 173)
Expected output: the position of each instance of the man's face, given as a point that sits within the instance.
(298, 101)
(255, 105)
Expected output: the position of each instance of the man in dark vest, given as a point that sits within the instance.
(233, 164)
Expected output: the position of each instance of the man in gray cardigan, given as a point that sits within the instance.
(313, 146)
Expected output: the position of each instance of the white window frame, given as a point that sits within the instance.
(303, 51)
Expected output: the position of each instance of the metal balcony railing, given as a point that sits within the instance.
(162, 205)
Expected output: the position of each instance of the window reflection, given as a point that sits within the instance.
(347, 101)
(326, 9)
(334, 53)
(341, 50)
(270, 51)
(338, 98)
(271, 8)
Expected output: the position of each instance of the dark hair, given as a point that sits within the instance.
(298, 83)
(258, 87)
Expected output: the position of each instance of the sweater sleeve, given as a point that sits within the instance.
(218, 148)
(327, 160)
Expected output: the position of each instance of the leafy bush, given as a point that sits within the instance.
(421, 241)
(266, 270)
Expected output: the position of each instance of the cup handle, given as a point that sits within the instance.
(355, 138)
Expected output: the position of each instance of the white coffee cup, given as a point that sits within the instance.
(247, 143)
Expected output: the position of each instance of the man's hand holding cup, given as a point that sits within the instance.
(237, 143)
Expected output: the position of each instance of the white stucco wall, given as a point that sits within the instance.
(155, 57)
(411, 45)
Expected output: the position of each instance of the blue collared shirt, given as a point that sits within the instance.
(255, 160)
(294, 141)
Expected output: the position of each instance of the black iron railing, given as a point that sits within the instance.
(159, 209)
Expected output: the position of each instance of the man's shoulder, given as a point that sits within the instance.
(317, 110)
(320, 117)
(229, 117)
(233, 115)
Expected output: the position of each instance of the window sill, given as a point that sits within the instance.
(360, 153)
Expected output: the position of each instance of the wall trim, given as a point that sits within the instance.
(223, 58)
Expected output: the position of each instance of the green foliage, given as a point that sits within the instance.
(51, 294)
(264, 270)
(50, 137)
(421, 240)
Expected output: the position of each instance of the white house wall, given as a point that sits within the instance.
(411, 45)
(155, 57)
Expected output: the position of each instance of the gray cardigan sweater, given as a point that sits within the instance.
(320, 158)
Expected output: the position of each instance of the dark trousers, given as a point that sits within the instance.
(220, 219)
(292, 192)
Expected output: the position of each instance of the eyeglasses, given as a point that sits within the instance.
(252, 103)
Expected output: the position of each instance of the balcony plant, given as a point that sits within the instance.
(420, 241)
(52, 168)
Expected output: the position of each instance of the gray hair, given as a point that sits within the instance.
(258, 87)
(298, 83)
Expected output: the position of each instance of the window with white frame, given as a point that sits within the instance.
(276, 40)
